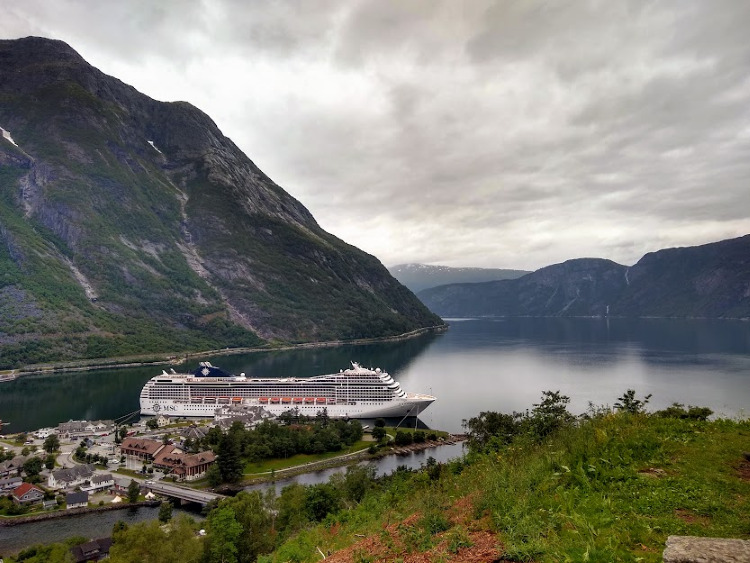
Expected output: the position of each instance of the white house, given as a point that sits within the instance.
(99, 482)
(70, 477)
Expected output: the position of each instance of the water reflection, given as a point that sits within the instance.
(478, 364)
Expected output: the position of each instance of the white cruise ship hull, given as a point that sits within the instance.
(411, 406)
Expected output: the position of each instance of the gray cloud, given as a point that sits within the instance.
(514, 133)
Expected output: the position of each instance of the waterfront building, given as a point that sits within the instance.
(70, 477)
(77, 499)
(27, 493)
(94, 550)
(184, 466)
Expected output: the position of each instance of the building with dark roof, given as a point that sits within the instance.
(77, 499)
(94, 550)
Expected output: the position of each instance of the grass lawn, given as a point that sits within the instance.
(268, 465)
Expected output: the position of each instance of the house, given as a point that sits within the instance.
(77, 499)
(11, 466)
(76, 428)
(10, 483)
(184, 466)
(26, 493)
(193, 432)
(70, 477)
(94, 550)
(141, 449)
(99, 482)
(162, 420)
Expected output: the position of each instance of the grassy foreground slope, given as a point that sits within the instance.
(611, 488)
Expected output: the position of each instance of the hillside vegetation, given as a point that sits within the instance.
(130, 226)
(543, 485)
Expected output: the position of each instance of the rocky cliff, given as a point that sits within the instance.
(131, 225)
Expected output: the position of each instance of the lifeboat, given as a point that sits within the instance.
(286, 399)
(223, 400)
(263, 400)
(236, 399)
(298, 400)
(309, 400)
(321, 400)
(275, 400)
(209, 399)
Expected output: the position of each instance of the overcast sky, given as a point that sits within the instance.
(510, 134)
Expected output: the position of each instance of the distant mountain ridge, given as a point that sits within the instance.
(129, 225)
(711, 280)
(418, 277)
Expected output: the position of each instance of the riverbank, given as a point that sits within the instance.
(174, 358)
(339, 461)
(8, 521)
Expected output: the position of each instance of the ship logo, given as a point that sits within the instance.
(205, 371)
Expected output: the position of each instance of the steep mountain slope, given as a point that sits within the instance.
(131, 225)
(712, 280)
(423, 276)
(579, 287)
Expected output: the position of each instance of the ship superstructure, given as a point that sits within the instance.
(356, 392)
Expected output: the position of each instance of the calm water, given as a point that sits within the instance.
(478, 364)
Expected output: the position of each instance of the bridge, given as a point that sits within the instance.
(183, 493)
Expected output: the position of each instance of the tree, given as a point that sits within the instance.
(147, 542)
(49, 461)
(224, 531)
(378, 433)
(134, 491)
(165, 512)
(152, 424)
(33, 466)
(549, 415)
(51, 443)
(630, 404)
(230, 455)
(379, 423)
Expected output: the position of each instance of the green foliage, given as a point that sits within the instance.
(51, 443)
(677, 410)
(147, 542)
(225, 531)
(134, 491)
(33, 466)
(630, 404)
(165, 512)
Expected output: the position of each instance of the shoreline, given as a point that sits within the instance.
(340, 461)
(174, 358)
(9, 521)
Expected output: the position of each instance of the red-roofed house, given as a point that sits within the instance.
(140, 448)
(27, 494)
(184, 466)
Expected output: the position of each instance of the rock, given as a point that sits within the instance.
(689, 549)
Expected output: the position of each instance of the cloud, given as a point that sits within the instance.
(512, 134)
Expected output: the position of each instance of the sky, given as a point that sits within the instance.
(509, 134)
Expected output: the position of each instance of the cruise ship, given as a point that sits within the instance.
(356, 392)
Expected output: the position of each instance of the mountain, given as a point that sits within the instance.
(711, 280)
(423, 276)
(129, 225)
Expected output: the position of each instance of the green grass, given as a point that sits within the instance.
(611, 489)
(255, 469)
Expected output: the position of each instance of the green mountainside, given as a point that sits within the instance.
(423, 276)
(712, 281)
(129, 225)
